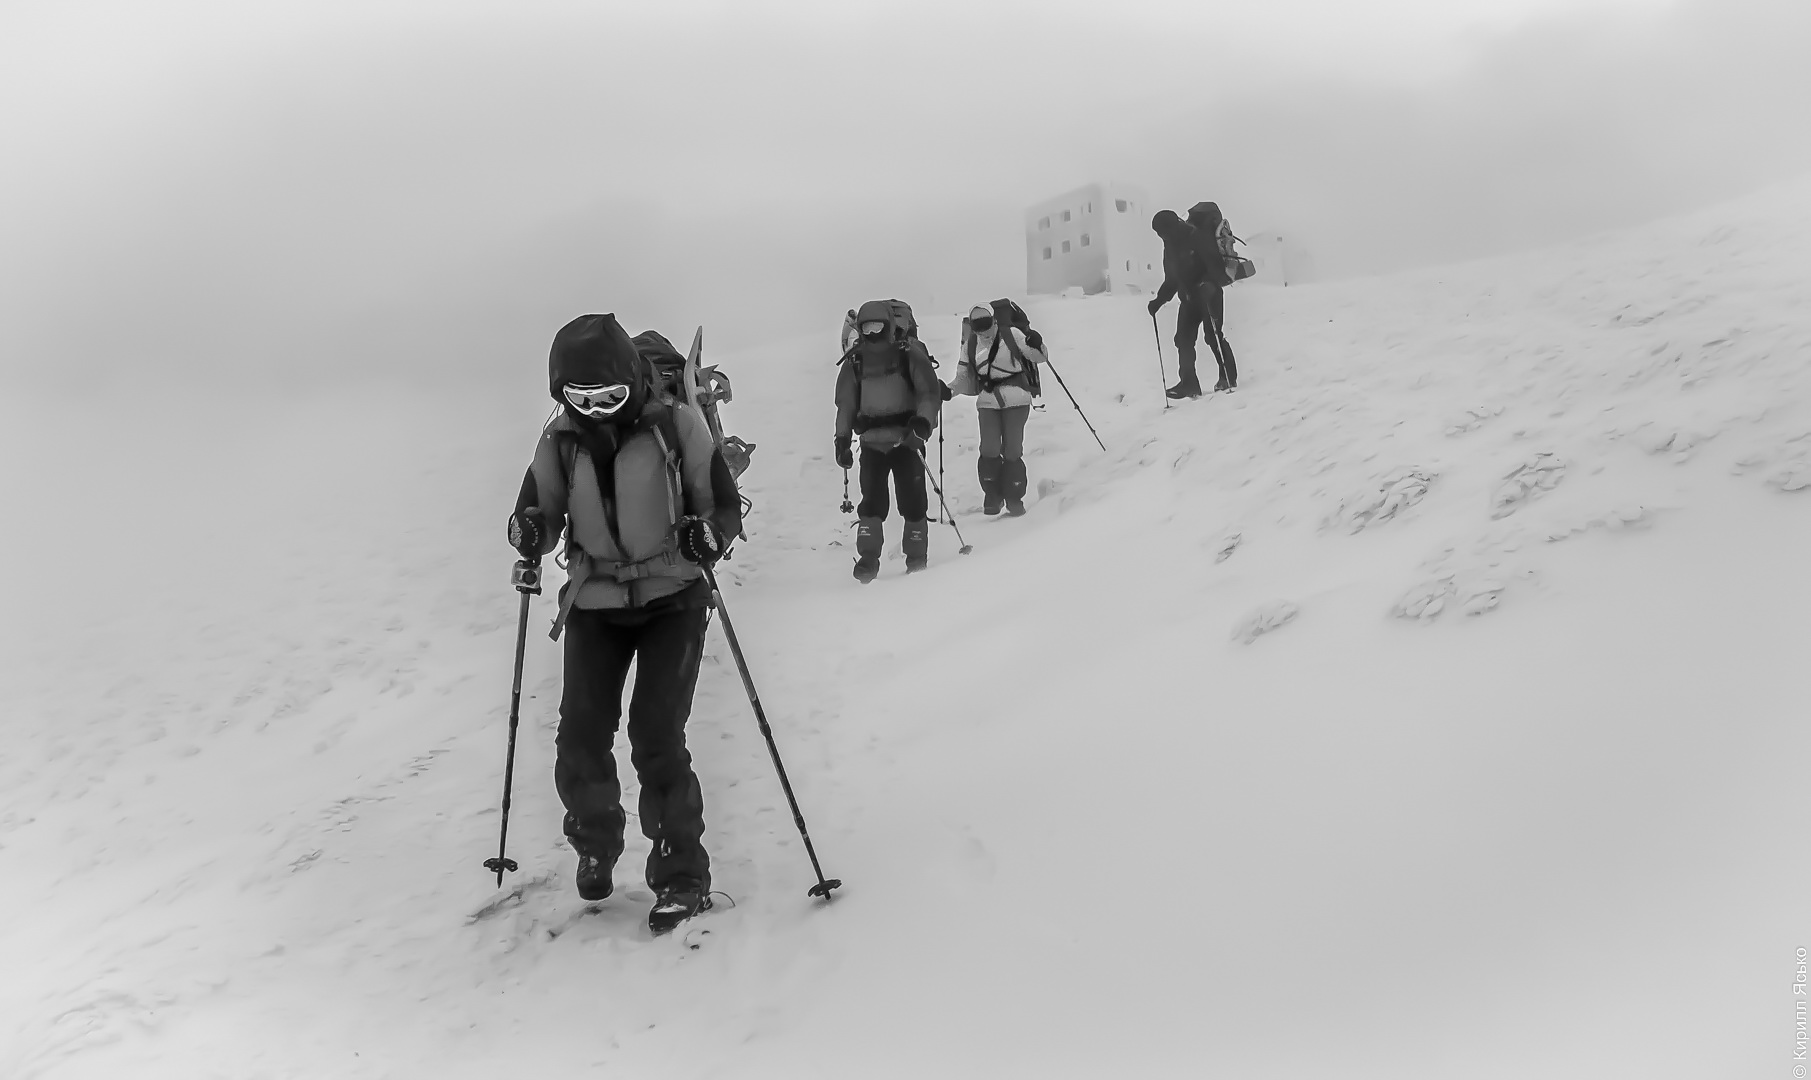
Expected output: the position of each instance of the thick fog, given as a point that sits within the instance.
(408, 187)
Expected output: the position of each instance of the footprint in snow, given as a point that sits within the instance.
(1263, 620)
(1531, 479)
(1398, 491)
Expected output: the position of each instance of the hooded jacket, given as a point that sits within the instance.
(994, 374)
(884, 382)
(1182, 270)
(619, 486)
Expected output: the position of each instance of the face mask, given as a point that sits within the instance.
(595, 400)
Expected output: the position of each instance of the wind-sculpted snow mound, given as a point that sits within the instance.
(1449, 668)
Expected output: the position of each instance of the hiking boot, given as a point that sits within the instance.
(988, 471)
(1222, 385)
(870, 540)
(1185, 389)
(676, 903)
(593, 877)
(917, 544)
(1012, 484)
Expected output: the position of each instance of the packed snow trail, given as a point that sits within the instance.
(1431, 707)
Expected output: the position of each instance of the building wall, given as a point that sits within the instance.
(1279, 259)
(1135, 254)
(1096, 238)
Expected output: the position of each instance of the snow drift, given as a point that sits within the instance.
(1431, 707)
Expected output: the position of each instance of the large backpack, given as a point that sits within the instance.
(1238, 268)
(902, 333)
(666, 364)
(904, 326)
(667, 370)
(1022, 323)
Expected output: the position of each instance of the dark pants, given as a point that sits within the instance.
(666, 648)
(1203, 310)
(902, 464)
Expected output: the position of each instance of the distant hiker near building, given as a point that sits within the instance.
(999, 368)
(888, 394)
(1196, 275)
(644, 495)
(1214, 240)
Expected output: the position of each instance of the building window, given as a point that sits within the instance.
(1065, 247)
(1120, 205)
(1065, 215)
(1043, 223)
(1084, 239)
(1046, 253)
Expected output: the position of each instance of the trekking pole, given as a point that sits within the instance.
(527, 579)
(848, 507)
(940, 443)
(1162, 375)
(823, 886)
(947, 514)
(1078, 408)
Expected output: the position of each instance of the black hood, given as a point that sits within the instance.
(1205, 216)
(1166, 224)
(595, 349)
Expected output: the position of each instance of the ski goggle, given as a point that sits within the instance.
(982, 326)
(596, 399)
(872, 329)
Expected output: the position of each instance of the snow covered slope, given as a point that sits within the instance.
(1432, 707)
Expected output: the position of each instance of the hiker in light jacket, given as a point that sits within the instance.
(638, 485)
(999, 367)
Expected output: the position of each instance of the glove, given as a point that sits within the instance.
(920, 427)
(526, 531)
(944, 389)
(845, 457)
(700, 541)
(1154, 306)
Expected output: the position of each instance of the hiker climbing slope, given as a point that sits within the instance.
(1196, 281)
(638, 486)
(1213, 243)
(887, 395)
(999, 367)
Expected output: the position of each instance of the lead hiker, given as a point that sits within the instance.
(1214, 240)
(887, 394)
(644, 496)
(1194, 274)
(999, 368)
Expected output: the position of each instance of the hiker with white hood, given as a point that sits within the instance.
(1001, 354)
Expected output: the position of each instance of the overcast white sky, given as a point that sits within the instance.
(422, 186)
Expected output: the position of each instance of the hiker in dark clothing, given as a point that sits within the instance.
(644, 496)
(1205, 218)
(1194, 274)
(888, 396)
